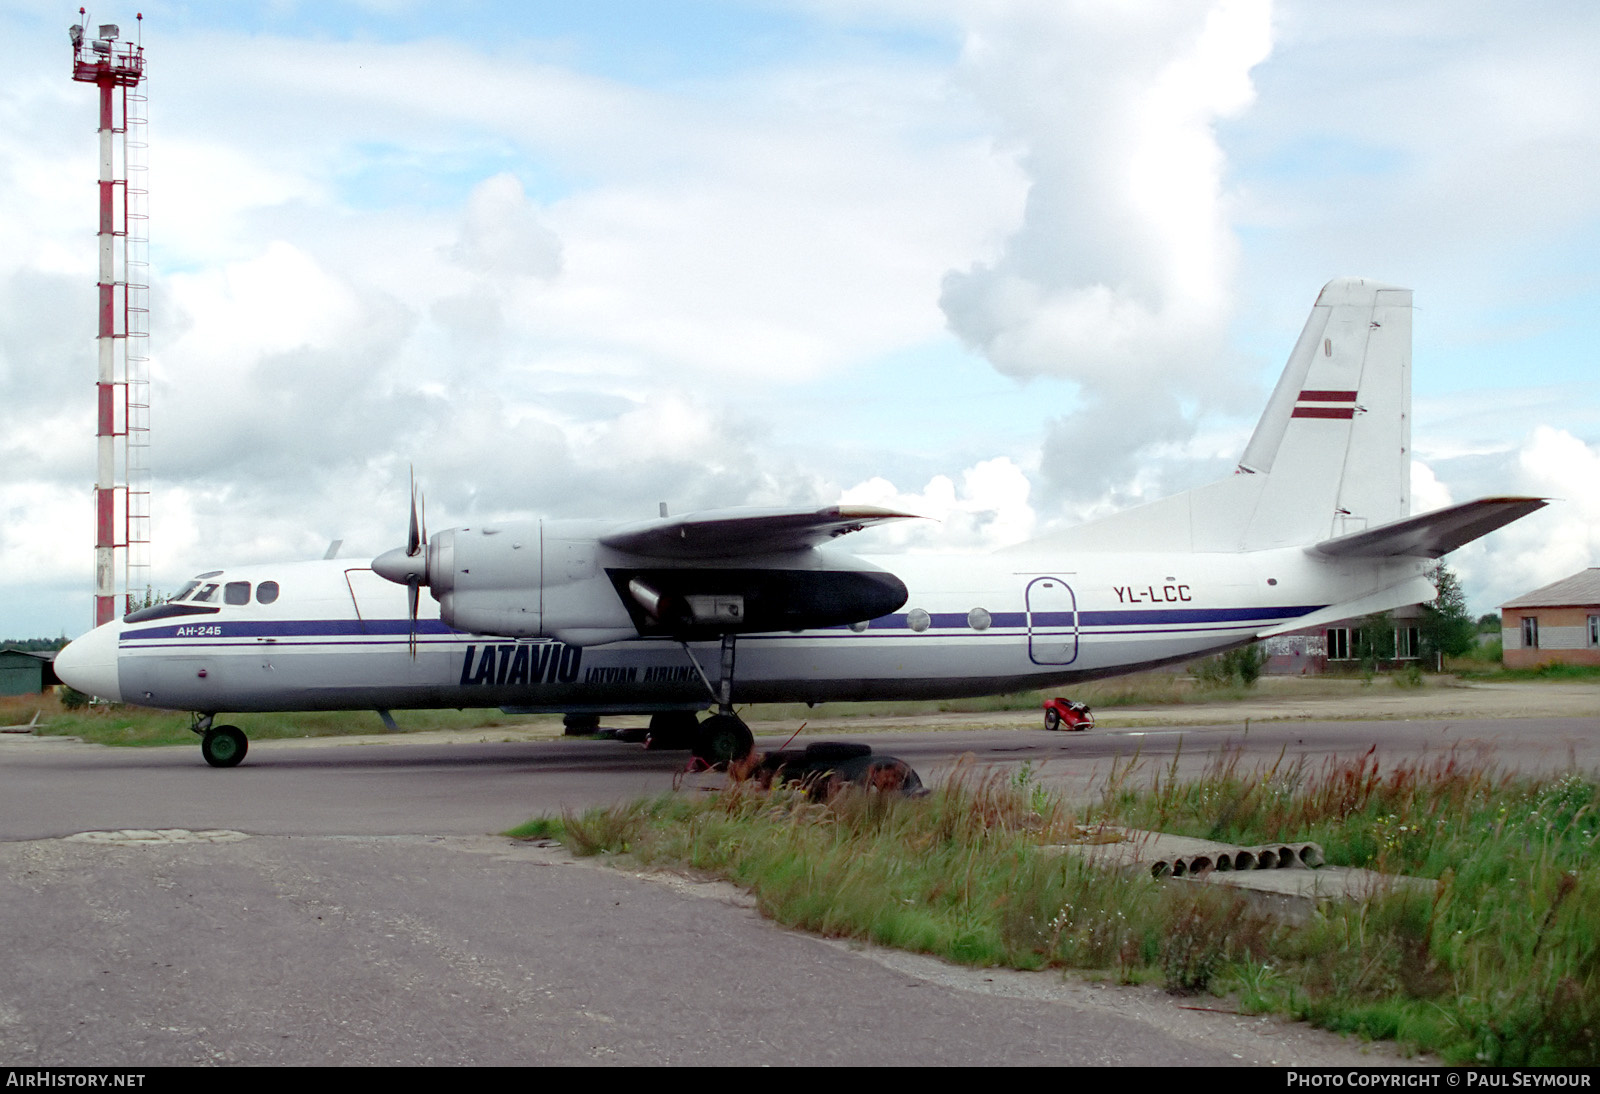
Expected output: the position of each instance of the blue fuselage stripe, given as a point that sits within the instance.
(384, 632)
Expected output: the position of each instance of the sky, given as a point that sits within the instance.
(1010, 264)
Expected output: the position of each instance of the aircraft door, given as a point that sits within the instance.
(1052, 622)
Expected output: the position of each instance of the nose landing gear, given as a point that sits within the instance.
(222, 746)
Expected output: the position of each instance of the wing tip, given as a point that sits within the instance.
(871, 512)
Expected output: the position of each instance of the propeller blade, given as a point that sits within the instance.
(413, 594)
(413, 535)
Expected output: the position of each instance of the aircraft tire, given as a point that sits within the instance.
(580, 725)
(224, 746)
(824, 751)
(722, 739)
(673, 729)
(1052, 719)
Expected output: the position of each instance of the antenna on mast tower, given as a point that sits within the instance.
(122, 435)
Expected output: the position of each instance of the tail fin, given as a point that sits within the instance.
(1330, 457)
(1335, 442)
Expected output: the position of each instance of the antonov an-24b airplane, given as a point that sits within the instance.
(593, 617)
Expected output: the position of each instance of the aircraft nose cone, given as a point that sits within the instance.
(401, 568)
(89, 664)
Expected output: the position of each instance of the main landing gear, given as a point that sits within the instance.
(222, 746)
(671, 730)
(722, 738)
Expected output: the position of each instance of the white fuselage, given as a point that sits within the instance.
(1314, 526)
(337, 636)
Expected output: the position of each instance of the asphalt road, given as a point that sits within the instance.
(388, 786)
(366, 913)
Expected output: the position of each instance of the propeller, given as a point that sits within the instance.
(416, 546)
(409, 567)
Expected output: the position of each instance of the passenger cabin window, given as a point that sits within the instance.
(266, 592)
(236, 592)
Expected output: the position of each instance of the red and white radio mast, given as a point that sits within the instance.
(122, 471)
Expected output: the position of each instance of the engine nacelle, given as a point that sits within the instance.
(802, 591)
(555, 579)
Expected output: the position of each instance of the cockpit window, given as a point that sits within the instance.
(208, 573)
(236, 592)
(186, 590)
(266, 592)
(206, 595)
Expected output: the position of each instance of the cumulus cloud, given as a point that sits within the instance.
(503, 235)
(1553, 543)
(561, 292)
(989, 509)
(34, 519)
(1092, 459)
(1445, 146)
(1555, 464)
(1119, 274)
(1427, 492)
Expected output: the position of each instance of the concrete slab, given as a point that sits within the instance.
(1293, 890)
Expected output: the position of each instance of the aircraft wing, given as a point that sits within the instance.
(1430, 535)
(730, 533)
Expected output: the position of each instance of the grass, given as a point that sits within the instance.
(1550, 670)
(118, 724)
(1136, 690)
(539, 828)
(1501, 966)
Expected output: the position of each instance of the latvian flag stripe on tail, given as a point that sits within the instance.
(1325, 404)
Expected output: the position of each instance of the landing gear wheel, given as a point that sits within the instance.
(224, 746)
(1052, 719)
(672, 729)
(722, 739)
(580, 725)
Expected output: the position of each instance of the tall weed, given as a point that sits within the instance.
(1498, 962)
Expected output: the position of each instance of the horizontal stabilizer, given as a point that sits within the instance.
(724, 533)
(1431, 534)
(1419, 590)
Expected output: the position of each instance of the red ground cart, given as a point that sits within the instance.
(1060, 713)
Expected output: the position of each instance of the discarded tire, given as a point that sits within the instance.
(825, 768)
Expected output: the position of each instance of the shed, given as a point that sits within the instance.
(1559, 622)
(25, 672)
(1337, 646)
